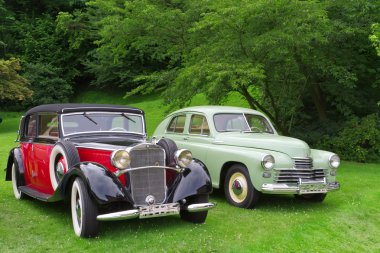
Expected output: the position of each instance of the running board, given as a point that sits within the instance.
(35, 193)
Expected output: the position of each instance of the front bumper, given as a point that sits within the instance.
(302, 187)
(154, 211)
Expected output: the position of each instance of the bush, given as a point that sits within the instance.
(358, 140)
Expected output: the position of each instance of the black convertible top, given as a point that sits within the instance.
(66, 108)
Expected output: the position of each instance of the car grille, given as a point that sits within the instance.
(303, 168)
(303, 163)
(149, 181)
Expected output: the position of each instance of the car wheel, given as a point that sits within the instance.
(63, 156)
(15, 183)
(196, 217)
(83, 211)
(238, 187)
(315, 197)
(170, 148)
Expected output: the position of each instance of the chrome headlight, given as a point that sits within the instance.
(183, 157)
(120, 159)
(334, 161)
(267, 162)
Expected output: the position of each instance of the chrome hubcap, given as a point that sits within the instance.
(78, 211)
(60, 171)
(237, 187)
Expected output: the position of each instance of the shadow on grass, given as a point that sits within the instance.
(280, 203)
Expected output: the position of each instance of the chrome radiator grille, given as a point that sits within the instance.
(150, 181)
(303, 168)
(303, 163)
(293, 175)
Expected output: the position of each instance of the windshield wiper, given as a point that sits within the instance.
(127, 117)
(89, 118)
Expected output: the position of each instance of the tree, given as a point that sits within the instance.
(13, 87)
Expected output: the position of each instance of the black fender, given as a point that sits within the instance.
(194, 180)
(15, 156)
(103, 186)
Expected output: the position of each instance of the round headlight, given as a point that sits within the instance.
(120, 159)
(183, 157)
(334, 161)
(268, 162)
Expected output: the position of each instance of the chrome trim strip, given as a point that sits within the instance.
(292, 188)
(123, 215)
(121, 172)
(200, 207)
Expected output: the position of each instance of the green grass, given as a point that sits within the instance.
(347, 221)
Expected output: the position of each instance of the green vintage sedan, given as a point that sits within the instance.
(245, 156)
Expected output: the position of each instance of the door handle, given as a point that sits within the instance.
(186, 138)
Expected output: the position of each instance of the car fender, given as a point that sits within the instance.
(15, 155)
(221, 156)
(193, 180)
(104, 187)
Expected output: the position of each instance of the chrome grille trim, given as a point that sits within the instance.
(293, 175)
(302, 163)
(150, 180)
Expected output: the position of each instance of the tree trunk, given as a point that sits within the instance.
(318, 101)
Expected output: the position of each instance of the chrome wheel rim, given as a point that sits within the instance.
(78, 210)
(60, 171)
(238, 187)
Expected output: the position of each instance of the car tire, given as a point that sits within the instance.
(16, 183)
(64, 156)
(196, 217)
(315, 197)
(83, 210)
(238, 187)
(170, 148)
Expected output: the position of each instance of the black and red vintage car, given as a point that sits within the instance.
(97, 157)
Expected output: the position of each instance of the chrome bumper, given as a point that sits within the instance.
(154, 211)
(300, 188)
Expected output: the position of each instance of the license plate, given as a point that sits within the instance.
(159, 210)
(312, 187)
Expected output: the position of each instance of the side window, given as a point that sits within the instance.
(48, 125)
(199, 125)
(177, 124)
(31, 126)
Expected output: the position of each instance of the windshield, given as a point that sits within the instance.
(100, 122)
(240, 122)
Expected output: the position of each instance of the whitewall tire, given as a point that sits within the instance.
(83, 211)
(18, 194)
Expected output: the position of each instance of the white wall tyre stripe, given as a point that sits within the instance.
(17, 193)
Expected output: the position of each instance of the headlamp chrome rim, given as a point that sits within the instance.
(120, 159)
(334, 161)
(183, 157)
(267, 162)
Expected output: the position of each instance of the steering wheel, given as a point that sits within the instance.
(118, 129)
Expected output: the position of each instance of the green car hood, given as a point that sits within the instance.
(290, 146)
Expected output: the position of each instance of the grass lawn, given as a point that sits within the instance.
(347, 221)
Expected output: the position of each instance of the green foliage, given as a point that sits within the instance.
(375, 37)
(358, 140)
(13, 87)
(47, 85)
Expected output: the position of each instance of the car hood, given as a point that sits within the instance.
(290, 146)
